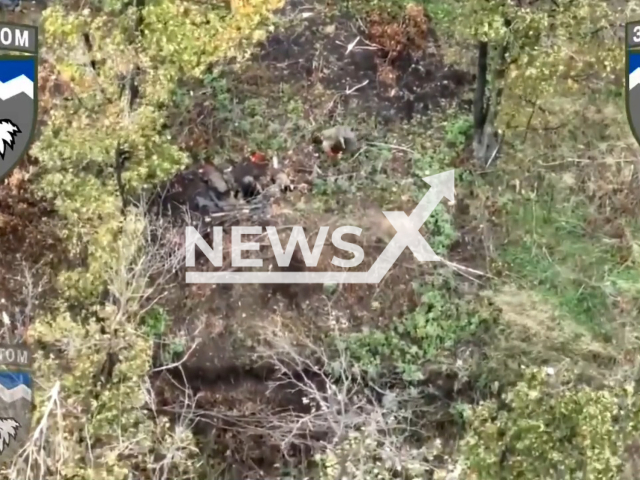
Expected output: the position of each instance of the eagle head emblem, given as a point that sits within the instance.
(8, 431)
(8, 133)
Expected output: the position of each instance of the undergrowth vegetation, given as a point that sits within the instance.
(550, 426)
(516, 357)
(426, 334)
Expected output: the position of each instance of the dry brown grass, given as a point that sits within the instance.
(408, 35)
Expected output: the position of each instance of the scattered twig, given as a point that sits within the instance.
(354, 158)
(351, 45)
(349, 91)
(373, 45)
(395, 147)
(461, 268)
(33, 455)
(495, 152)
(184, 358)
(583, 160)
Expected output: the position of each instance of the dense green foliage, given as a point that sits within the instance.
(96, 410)
(79, 146)
(549, 428)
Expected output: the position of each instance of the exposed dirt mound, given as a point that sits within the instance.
(396, 65)
(25, 227)
(238, 414)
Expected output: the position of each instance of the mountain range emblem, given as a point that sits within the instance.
(18, 108)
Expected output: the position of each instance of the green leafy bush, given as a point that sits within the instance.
(437, 325)
(549, 427)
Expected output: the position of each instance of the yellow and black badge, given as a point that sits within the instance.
(16, 399)
(18, 92)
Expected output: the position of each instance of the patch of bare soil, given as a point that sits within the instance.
(242, 414)
(224, 373)
(394, 67)
(228, 380)
(474, 219)
(359, 303)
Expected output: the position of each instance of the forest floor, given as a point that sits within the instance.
(553, 235)
(389, 79)
(410, 110)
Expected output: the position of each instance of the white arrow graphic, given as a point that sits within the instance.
(407, 235)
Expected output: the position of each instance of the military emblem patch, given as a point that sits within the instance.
(18, 93)
(16, 399)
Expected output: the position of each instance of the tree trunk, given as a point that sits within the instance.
(486, 142)
(479, 111)
(121, 158)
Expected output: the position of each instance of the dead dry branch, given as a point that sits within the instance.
(18, 313)
(148, 259)
(46, 444)
(333, 404)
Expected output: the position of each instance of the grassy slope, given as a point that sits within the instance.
(562, 214)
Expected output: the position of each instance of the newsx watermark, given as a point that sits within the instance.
(407, 235)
